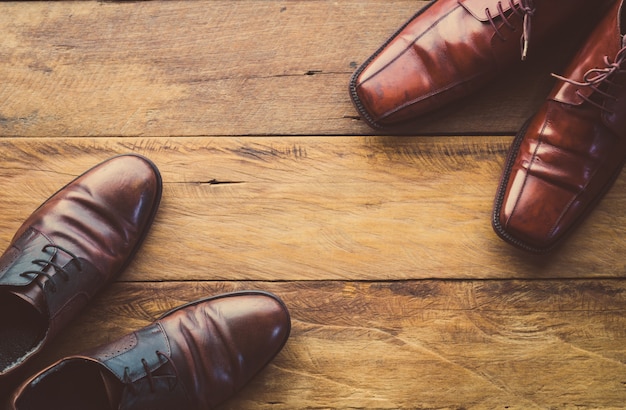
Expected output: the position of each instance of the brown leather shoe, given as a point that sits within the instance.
(68, 249)
(449, 49)
(568, 155)
(194, 357)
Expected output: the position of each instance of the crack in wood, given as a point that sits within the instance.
(216, 182)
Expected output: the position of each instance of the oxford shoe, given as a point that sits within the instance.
(450, 49)
(192, 358)
(68, 249)
(568, 155)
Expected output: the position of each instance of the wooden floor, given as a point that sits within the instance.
(381, 246)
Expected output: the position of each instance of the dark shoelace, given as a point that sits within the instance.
(58, 268)
(128, 381)
(525, 9)
(596, 77)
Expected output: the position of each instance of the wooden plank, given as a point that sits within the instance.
(400, 293)
(411, 344)
(218, 67)
(313, 208)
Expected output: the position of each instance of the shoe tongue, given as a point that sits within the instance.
(113, 388)
(33, 295)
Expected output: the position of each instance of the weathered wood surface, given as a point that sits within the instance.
(253, 67)
(413, 344)
(381, 246)
(312, 208)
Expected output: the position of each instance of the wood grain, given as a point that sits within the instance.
(252, 67)
(317, 208)
(412, 344)
(400, 293)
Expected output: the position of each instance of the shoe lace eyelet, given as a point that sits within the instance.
(58, 269)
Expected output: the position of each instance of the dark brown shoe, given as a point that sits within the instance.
(568, 155)
(451, 48)
(68, 249)
(192, 358)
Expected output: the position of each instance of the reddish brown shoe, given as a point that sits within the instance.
(68, 249)
(568, 155)
(451, 48)
(192, 358)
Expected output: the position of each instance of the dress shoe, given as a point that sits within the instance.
(568, 155)
(68, 249)
(192, 358)
(451, 48)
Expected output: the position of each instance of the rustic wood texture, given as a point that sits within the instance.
(413, 344)
(400, 293)
(309, 208)
(252, 67)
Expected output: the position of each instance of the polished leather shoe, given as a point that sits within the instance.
(68, 249)
(192, 358)
(568, 155)
(450, 49)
